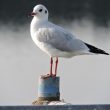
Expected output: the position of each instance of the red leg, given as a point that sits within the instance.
(50, 74)
(51, 65)
(56, 66)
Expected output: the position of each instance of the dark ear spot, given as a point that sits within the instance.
(40, 10)
(45, 11)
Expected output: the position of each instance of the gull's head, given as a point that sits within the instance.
(40, 12)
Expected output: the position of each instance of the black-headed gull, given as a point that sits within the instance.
(56, 41)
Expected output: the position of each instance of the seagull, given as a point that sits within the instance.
(55, 40)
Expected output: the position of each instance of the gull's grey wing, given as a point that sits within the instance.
(60, 40)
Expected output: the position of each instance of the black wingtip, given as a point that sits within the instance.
(93, 49)
(102, 52)
(107, 53)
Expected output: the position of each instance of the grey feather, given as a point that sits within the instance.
(60, 40)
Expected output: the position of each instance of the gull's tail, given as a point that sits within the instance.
(95, 50)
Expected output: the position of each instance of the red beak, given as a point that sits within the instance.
(32, 14)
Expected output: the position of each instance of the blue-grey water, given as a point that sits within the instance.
(84, 79)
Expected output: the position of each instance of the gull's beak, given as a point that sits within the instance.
(32, 14)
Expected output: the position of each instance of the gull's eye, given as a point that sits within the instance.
(45, 11)
(40, 10)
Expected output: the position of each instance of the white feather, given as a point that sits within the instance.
(54, 40)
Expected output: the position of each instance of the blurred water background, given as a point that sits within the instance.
(84, 79)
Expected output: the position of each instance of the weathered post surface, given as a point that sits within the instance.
(48, 91)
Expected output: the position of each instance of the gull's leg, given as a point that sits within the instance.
(51, 65)
(56, 65)
(50, 74)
